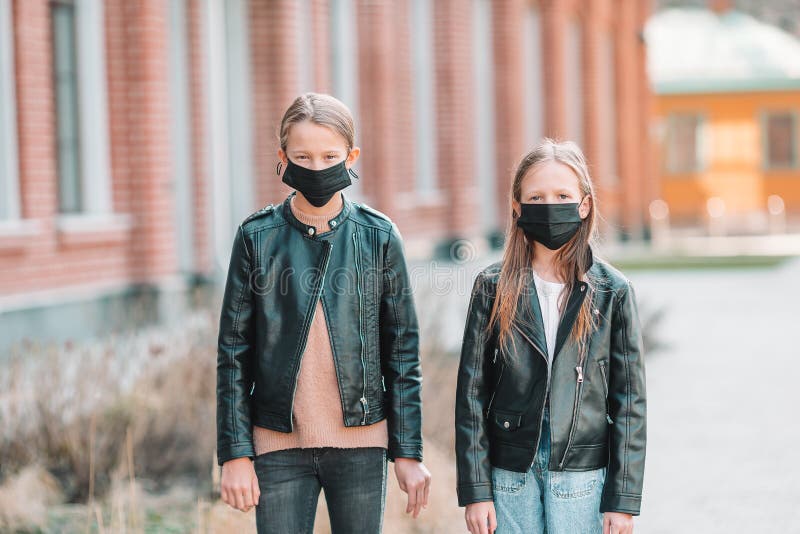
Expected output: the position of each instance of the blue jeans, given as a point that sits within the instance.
(552, 502)
(354, 481)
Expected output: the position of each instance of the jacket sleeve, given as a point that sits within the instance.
(234, 353)
(473, 470)
(622, 491)
(399, 348)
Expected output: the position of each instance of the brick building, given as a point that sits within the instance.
(135, 134)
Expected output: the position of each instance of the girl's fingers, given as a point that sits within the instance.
(239, 499)
(256, 491)
(606, 524)
(427, 491)
(420, 499)
(247, 497)
(472, 525)
(492, 520)
(412, 501)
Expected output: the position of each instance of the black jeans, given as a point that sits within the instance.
(354, 481)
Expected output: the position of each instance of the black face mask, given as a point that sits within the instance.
(552, 225)
(317, 186)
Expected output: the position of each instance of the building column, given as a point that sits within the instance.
(455, 115)
(149, 144)
(554, 27)
(378, 91)
(275, 80)
(197, 36)
(628, 132)
(509, 64)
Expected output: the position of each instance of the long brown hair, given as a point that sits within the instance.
(571, 260)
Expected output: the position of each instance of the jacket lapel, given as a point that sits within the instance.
(570, 315)
(532, 325)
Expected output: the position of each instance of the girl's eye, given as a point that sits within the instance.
(535, 197)
(564, 196)
(301, 156)
(331, 156)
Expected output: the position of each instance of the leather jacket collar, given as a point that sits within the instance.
(307, 229)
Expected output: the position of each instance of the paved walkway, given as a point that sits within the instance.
(723, 402)
(723, 397)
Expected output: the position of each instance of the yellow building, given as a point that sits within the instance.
(727, 100)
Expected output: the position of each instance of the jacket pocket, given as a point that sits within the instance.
(506, 481)
(505, 420)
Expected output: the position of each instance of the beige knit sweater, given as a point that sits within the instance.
(317, 405)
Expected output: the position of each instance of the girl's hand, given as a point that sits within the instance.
(239, 484)
(617, 523)
(481, 518)
(415, 479)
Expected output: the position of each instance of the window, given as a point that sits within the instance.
(344, 66)
(65, 79)
(483, 136)
(306, 37)
(573, 82)
(79, 86)
(780, 140)
(684, 143)
(534, 80)
(9, 170)
(424, 109)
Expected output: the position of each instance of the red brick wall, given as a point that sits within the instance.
(149, 143)
(196, 35)
(138, 100)
(275, 76)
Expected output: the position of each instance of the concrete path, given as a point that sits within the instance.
(724, 402)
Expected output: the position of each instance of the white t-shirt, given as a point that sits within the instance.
(548, 293)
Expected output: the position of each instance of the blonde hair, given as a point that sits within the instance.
(571, 260)
(321, 109)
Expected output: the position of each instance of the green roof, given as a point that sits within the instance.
(694, 50)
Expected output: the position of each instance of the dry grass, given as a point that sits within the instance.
(119, 436)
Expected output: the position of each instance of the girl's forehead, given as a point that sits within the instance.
(550, 175)
(307, 135)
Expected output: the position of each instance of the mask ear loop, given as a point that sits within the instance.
(352, 173)
(278, 169)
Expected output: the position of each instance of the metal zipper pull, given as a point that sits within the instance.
(610, 421)
(494, 360)
(580, 373)
(366, 410)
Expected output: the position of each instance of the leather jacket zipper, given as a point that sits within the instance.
(327, 246)
(363, 399)
(605, 390)
(578, 389)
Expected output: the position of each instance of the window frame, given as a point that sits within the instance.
(93, 141)
(700, 159)
(765, 115)
(9, 143)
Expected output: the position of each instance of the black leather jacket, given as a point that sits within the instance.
(597, 412)
(279, 268)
